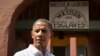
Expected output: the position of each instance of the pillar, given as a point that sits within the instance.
(73, 46)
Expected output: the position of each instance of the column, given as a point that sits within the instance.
(73, 46)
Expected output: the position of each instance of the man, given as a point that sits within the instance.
(41, 33)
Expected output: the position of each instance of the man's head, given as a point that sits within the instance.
(41, 33)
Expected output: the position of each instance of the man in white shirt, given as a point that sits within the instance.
(41, 33)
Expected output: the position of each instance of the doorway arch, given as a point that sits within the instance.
(9, 12)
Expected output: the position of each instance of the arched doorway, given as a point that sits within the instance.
(25, 21)
(14, 10)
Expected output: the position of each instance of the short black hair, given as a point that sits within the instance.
(44, 20)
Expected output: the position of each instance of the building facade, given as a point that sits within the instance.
(17, 16)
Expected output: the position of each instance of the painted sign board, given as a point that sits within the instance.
(69, 15)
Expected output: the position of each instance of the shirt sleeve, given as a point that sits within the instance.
(18, 54)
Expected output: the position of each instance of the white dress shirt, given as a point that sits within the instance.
(32, 51)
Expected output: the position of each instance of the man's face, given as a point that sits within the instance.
(41, 34)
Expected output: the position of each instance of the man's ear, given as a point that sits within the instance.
(52, 34)
(32, 34)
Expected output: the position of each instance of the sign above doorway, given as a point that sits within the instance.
(69, 15)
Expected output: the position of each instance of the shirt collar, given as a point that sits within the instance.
(36, 52)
